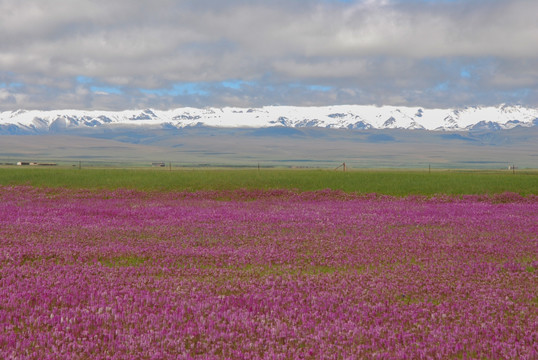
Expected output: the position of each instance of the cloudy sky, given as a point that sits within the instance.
(119, 54)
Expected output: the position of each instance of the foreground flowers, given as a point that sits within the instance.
(274, 274)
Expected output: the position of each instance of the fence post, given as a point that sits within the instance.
(343, 165)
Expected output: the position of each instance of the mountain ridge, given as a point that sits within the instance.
(361, 117)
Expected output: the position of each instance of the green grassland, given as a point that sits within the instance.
(390, 182)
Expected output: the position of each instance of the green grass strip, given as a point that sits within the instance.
(399, 183)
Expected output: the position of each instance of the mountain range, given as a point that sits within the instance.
(330, 117)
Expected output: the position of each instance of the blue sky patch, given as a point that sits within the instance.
(11, 85)
(84, 80)
(177, 90)
(442, 86)
(235, 84)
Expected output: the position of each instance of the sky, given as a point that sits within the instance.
(162, 54)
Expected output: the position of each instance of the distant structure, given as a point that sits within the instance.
(158, 164)
(27, 163)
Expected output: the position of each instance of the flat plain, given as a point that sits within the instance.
(281, 147)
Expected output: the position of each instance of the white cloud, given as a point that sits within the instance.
(388, 48)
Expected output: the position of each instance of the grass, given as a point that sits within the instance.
(388, 182)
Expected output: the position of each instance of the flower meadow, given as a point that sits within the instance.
(273, 274)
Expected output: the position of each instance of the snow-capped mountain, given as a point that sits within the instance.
(338, 117)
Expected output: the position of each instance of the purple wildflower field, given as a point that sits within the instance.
(266, 274)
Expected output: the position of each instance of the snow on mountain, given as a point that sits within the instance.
(339, 117)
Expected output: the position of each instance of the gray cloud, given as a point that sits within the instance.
(428, 53)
